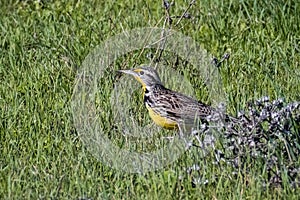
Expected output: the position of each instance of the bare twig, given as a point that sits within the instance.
(185, 14)
(218, 63)
(167, 7)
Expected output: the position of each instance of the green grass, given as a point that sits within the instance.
(44, 43)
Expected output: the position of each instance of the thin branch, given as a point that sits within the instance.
(185, 14)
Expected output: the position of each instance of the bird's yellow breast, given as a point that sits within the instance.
(162, 121)
(159, 120)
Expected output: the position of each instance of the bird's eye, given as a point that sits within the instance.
(142, 73)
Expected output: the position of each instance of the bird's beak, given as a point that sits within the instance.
(128, 72)
(134, 74)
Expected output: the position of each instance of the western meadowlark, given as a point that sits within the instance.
(167, 108)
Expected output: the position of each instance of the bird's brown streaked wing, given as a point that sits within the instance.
(178, 106)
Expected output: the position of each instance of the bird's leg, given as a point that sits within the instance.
(184, 132)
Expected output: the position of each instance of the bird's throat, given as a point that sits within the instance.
(144, 91)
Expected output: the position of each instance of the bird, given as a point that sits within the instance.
(167, 108)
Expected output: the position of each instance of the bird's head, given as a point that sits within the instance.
(147, 76)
